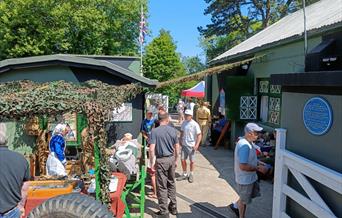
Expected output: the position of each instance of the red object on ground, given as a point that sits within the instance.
(196, 91)
(118, 207)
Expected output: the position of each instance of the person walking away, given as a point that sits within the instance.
(204, 119)
(13, 174)
(180, 110)
(164, 146)
(190, 139)
(190, 105)
(246, 166)
(56, 162)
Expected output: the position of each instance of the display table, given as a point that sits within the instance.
(118, 207)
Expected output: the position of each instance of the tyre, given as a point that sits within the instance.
(71, 206)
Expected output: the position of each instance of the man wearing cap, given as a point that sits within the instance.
(14, 172)
(246, 166)
(190, 139)
(164, 146)
(203, 118)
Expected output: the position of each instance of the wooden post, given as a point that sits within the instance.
(97, 169)
(280, 175)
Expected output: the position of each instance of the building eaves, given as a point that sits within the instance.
(45, 60)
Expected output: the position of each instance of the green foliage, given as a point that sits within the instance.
(162, 62)
(38, 27)
(235, 21)
(21, 99)
(193, 64)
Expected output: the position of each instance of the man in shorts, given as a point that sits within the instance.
(246, 166)
(190, 140)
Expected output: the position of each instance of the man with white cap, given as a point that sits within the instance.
(190, 140)
(14, 172)
(246, 166)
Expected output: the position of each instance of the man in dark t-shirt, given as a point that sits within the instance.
(165, 146)
(14, 172)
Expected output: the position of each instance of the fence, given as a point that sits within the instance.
(301, 168)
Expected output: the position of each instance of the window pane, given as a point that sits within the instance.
(264, 108)
(263, 86)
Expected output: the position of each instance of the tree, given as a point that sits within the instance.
(235, 21)
(162, 62)
(39, 27)
(193, 64)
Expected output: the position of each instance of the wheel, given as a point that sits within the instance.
(71, 206)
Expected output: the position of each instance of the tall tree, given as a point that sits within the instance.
(193, 64)
(37, 27)
(236, 20)
(162, 62)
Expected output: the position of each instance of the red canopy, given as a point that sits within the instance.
(196, 91)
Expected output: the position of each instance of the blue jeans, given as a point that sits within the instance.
(14, 213)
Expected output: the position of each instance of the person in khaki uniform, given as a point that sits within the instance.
(203, 118)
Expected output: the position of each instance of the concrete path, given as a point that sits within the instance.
(214, 189)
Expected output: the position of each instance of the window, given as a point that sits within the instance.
(270, 102)
(248, 107)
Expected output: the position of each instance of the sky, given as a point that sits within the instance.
(181, 18)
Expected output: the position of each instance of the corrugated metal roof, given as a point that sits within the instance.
(318, 15)
(27, 62)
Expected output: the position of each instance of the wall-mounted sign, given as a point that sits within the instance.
(123, 113)
(317, 116)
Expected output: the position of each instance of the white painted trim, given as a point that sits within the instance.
(311, 206)
(280, 175)
(284, 215)
(310, 191)
(321, 174)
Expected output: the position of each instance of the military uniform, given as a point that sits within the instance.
(203, 118)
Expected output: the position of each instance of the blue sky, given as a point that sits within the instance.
(181, 18)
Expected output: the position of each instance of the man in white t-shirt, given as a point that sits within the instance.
(190, 140)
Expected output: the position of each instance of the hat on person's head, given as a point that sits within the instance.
(127, 137)
(188, 112)
(149, 112)
(252, 127)
(206, 103)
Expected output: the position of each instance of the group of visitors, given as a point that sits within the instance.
(164, 154)
(165, 145)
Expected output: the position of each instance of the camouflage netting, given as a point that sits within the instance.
(25, 99)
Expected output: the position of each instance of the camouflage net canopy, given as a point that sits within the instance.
(23, 99)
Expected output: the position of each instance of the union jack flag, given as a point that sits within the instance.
(143, 28)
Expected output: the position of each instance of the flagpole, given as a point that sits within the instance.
(141, 44)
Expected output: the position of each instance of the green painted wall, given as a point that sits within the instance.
(325, 150)
(40, 74)
(287, 58)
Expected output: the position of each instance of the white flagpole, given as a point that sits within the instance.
(141, 40)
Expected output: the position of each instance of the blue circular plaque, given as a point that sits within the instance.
(317, 116)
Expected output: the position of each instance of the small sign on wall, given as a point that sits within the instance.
(317, 116)
(123, 113)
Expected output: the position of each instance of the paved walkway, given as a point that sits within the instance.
(214, 189)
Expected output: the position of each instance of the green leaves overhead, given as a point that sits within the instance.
(40, 27)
